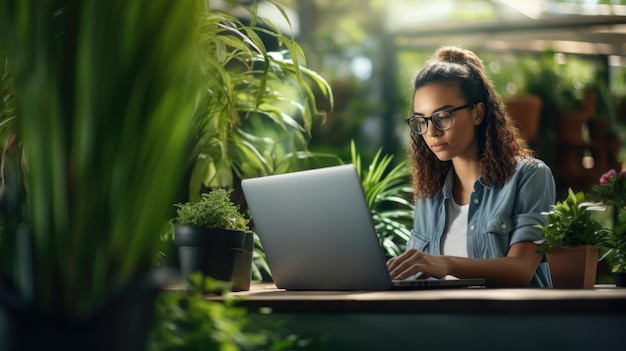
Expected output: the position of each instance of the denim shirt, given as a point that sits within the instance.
(499, 216)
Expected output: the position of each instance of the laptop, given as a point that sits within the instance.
(317, 233)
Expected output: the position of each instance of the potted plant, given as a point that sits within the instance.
(611, 192)
(212, 238)
(571, 242)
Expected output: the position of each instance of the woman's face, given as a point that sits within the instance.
(459, 141)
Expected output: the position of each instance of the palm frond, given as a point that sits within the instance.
(388, 192)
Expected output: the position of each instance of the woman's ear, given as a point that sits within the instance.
(478, 113)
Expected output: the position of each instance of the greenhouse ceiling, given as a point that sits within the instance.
(590, 27)
(534, 25)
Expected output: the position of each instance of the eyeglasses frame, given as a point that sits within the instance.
(430, 118)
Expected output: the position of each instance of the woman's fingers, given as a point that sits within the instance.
(405, 265)
(395, 261)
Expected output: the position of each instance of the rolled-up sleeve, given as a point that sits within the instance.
(536, 193)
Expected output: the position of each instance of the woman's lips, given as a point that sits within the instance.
(437, 146)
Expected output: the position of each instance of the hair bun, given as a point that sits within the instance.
(456, 54)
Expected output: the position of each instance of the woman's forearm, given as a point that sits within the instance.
(517, 269)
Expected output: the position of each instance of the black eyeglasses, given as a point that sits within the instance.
(441, 119)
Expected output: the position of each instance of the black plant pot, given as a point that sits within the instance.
(211, 251)
(122, 323)
(243, 265)
(620, 279)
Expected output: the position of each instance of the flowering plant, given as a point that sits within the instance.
(612, 192)
(612, 189)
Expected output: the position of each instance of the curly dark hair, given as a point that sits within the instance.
(499, 140)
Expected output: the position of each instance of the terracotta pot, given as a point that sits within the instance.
(573, 267)
(526, 112)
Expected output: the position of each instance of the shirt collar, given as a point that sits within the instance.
(449, 183)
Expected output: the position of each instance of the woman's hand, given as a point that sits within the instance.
(514, 270)
(413, 261)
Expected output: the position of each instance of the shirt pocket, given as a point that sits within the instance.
(418, 241)
(497, 236)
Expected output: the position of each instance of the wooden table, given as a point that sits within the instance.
(451, 319)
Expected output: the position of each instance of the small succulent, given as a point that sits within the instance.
(214, 209)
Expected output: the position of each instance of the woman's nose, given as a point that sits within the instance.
(431, 130)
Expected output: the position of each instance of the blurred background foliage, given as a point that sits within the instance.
(370, 61)
(370, 50)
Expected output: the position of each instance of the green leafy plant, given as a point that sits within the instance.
(617, 245)
(388, 192)
(214, 209)
(187, 321)
(570, 223)
(611, 192)
(256, 109)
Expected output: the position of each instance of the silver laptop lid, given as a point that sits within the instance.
(316, 230)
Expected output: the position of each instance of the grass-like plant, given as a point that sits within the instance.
(570, 223)
(104, 94)
(388, 193)
(214, 209)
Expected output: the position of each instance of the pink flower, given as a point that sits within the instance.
(606, 177)
(622, 174)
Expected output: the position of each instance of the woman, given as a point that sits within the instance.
(479, 192)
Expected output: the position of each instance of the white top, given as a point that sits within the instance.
(455, 236)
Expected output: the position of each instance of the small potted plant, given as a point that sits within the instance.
(212, 238)
(571, 241)
(611, 192)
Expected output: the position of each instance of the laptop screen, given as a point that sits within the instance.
(316, 230)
